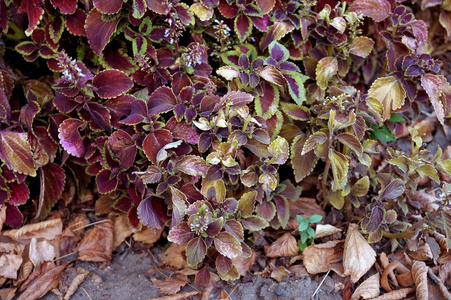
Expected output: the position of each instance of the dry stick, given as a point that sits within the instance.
(320, 284)
(230, 295)
(87, 225)
(65, 256)
(86, 293)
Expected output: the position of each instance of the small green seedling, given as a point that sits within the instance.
(307, 232)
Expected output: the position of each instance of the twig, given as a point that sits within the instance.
(177, 296)
(87, 225)
(86, 293)
(320, 284)
(65, 256)
(230, 295)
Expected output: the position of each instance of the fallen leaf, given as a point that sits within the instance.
(325, 230)
(170, 285)
(147, 235)
(306, 207)
(79, 224)
(389, 270)
(103, 205)
(286, 245)
(423, 253)
(368, 289)
(279, 273)
(97, 244)
(25, 271)
(44, 283)
(405, 279)
(173, 256)
(385, 262)
(178, 296)
(358, 255)
(41, 251)
(299, 271)
(7, 294)
(75, 283)
(2, 215)
(121, 230)
(41, 269)
(420, 276)
(244, 264)
(441, 286)
(395, 295)
(319, 258)
(47, 230)
(9, 265)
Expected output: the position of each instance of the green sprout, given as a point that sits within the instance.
(307, 232)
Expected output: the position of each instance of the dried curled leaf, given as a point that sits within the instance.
(325, 230)
(358, 256)
(320, 258)
(76, 283)
(170, 285)
(395, 295)
(368, 289)
(46, 229)
(420, 276)
(173, 256)
(7, 294)
(97, 245)
(41, 251)
(387, 271)
(2, 215)
(286, 245)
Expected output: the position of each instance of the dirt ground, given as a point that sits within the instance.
(127, 278)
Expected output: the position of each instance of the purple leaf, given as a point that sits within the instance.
(34, 11)
(105, 183)
(254, 223)
(112, 83)
(98, 31)
(264, 104)
(283, 210)
(180, 234)
(63, 103)
(183, 131)
(19, 193)
(374, 221)
(66, 7)
(159, 6)
(162, 100)
(375, 9)
(393, 190)
(154, 141)
(70, 136)
(243, 26)
(14, 217)
(278, 52)
(223, 264)
(108, 6)
(147, 215)
(52, 184)
(75, 23)
(123, 147)
(100, 116)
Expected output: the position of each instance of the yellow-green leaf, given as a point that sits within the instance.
(326, 68)
(361, 187)
(337, 199)
(429, 171)
(340, 165)
(390, 93)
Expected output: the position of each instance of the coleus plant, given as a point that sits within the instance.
(186, 113)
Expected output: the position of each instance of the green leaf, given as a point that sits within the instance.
(304, 237)
(382, 134)
(300, 218)
(279, 150)
(340, 165)
(310, 232)
(315, 219)
(303, 225)
(389, 92)
(396, 118)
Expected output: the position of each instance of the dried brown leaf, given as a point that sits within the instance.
(299, 271)
(47, 230)
(104, 204)
(389, 270)
(395, 295)
(79, 224)
(385, 262)
(173, 256)
(286, 245)
(317, 258)
(170, 286)
(7, 294)
(358, 256)
(2, 215)
(25, 271)
(420, 276)
(368, 289)
(207, 292)
(178, 296)
(42, 269)
(44, 283)
(423, 252)
(41, 251)
(325, 230)
(97, 244)
(306, 207)
(244, 264)
(76, 283)
(121, 230)
(441, 286)
(147, 235)
(9, 265)
(405, 279)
